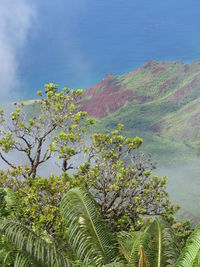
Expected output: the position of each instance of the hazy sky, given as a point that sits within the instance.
(15, 22)
(76, 42)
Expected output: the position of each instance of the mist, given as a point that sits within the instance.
(16, 19)
(183, 183)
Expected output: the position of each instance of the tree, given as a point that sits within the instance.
(56, 128)
(52, 126)
(122, 183)
(38, 205)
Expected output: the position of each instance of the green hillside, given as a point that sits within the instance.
(163, 107)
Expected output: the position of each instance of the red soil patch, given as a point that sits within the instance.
(109, 83)
(163, 87)
(156, 67)
(159, 69)
(149, 64)
(106, 96)
(100, 104)
(186, 90)
(155, 128)
(186, 68)
(195, 120)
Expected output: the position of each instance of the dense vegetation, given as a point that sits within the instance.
(109, 211)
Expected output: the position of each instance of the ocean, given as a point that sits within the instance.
(75, 43)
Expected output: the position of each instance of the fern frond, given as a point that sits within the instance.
(130, 246)
(142, 240)
(116, 264)
(31, 245)
(190, 255)
(171, 246)
(125, 241)
(155, 246)
(22, 261)
(163, 249)
(88, 233)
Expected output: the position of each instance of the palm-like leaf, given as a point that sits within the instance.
(117, 264)
(156, 246)
(88, 233)
(190, 255)
(22, 261)
(31, 247)
(131, 244)
(163, 248)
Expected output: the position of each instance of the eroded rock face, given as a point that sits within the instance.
(105, 97)
(108, 96)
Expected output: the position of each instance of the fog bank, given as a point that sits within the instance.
(15, 22)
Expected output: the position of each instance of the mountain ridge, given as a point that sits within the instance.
(150, 98)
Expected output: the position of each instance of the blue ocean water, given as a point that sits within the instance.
(75, 43)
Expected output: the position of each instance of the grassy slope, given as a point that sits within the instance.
(184, 123)
(169, 121)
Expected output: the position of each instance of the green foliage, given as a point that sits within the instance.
(57, 129)
(90, 239)
(40, 200)
(32, 249)
(156, 245)
(190, 255)
(88, 233)
(3, 208)
(121, 182)
(36, 203)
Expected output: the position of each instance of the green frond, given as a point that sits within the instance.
(190, 255)
(6, 252)
(30, 245)
(171, 246)
(22, 261)
(155, 246)
(163, 248)
(116, 264)
(125, 241)
(88, 233)
(130, 246)
(142, 240)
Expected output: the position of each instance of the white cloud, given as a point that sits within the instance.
(15, 22)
